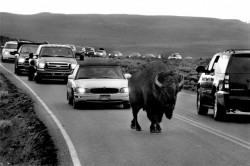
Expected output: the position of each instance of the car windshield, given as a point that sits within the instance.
(11, 46)
(78, 48)
(29, 49)
(56, 52)
(240, 64)
(99, 72)
(89, 49)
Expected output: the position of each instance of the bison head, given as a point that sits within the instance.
(167, 85)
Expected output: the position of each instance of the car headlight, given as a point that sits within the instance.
(41, 65)
(124, 90)
(82, 90)
(73, 66)
(6, 52)
(21, 60)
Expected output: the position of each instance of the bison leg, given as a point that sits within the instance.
(152, 128)
(134, 122)
(158, 128)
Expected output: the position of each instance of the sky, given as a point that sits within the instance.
(222, 9)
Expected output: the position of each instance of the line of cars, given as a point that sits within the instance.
(89, 82)
(224, 85)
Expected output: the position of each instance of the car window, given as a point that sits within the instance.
(56, 52)
(29, 49)
(240, 64)
(90, 72)
(212, 62)
(11, 46)
(222, 64)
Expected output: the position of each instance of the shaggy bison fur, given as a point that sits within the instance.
(154, 89)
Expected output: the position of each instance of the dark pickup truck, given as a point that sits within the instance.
(52, 61)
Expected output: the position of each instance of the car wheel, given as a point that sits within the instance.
(75, 103)
(17, 71)
(219, 112)
(31, 75)
(2, 60)
(126, 105)
(201, 110)
(38, 79)
(70, 99)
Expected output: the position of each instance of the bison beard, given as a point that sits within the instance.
(154, 89)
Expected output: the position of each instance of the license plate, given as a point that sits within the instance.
(104, 97)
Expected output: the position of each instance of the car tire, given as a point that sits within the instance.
(38, 79)
(17, 71)
(70, 99)
(219, 112)
(75, 103)
(31, 74)
(201, 110)
(126, 105)
(2, 60)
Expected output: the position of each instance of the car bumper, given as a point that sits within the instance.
(234, 102)
(8, 57)
(23, 67)
(53, 74)
(96, 98)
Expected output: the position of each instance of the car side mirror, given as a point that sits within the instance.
(31, 55)
(70, 76)
(127, 76)
(201, 69)
(13, 52)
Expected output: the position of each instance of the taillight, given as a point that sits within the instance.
(226, 82)
(224, 85)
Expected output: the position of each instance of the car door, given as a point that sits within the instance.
(206, 81)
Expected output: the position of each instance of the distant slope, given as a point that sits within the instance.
(191, 36)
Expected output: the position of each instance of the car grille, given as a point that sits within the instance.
(104, 90)
(26, 62)
(59, 66)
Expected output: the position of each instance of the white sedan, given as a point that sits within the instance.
(98, 83)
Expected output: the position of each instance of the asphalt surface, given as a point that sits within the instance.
(102, 136)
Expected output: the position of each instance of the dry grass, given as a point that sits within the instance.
(24, 140)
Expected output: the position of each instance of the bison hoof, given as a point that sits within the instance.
(138, 128)
(155, 131)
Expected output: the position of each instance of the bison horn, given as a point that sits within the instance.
(157, 82)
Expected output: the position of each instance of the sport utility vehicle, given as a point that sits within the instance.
(53, 61)
(22, 56)
(225, 84)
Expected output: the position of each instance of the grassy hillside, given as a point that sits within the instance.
(196, 37)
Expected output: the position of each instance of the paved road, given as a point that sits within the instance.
(102, 134)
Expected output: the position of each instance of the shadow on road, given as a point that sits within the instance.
(236, 118)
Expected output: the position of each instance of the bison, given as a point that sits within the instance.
(154, 89)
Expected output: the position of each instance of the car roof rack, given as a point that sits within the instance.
(236, 50)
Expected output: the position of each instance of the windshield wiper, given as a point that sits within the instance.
(46, 56)
(84, 78)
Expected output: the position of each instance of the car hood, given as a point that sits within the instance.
(101, 83)
(24, 55)
(9, 49)
(57, 59)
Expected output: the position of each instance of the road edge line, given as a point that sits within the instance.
(66, 137)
